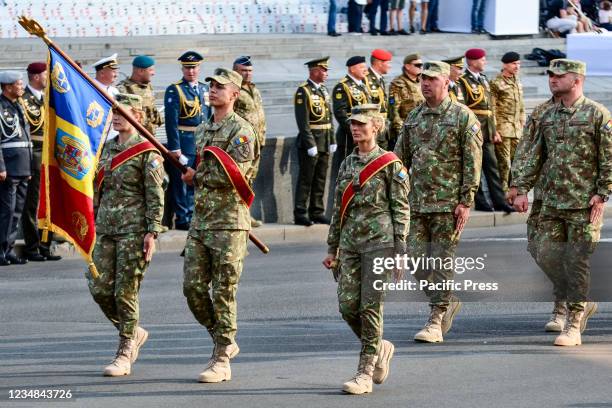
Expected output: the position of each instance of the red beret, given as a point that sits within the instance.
(475, 53)
(382, 55)
(37, 67)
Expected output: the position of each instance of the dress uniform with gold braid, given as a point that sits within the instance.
(477, 94)
(186, 106)
(314, 120)
(454, 91)
(33, 105)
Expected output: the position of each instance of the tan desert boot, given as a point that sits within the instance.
(140, 337)
(570, 336)
(361, 383)
(589, 310)
(121, 365)
(381, 369)
(558, 318)
(218, 368)
(432, 332)
(453, 308)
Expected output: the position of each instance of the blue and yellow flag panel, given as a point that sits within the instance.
(78, 119)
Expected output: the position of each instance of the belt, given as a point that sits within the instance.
(482, 112)
(11, 145)
(187, 128)
(321, 127)
(36, 138)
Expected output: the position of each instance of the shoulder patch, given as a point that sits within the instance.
(475, 128)
(402, 174)
(392, 100)
(155, 163)
(608, 126)
(240, 140)
(299, 101)
(338, 95)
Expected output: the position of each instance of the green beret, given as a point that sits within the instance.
(143, 61)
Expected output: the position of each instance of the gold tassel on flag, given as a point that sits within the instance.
(93, 270)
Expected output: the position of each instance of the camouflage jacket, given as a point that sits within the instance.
(442, 148)
(131, 198)
(346, 94)
(573, 153)
(152, 118)
(313, 117)
(249, 106)
(378, 91)
(404, 95)
(477, 95)
(378, 214)
(527, 140)
(507, 96)
(217, 205)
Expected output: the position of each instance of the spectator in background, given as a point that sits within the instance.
(373, 8)
(424, 11)
(355, 14)
(331, 19)
(396, 15)
(432, 18)
(605, 15)
(558, 21)
(478, 10)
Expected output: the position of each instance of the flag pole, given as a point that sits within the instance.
(34, 28)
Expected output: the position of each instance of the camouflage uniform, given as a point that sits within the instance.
(443, 149)
(128, 204)
(404, 95)
(507, 95)
(477, 94)
(152, 117)
(572, 155)
(379, 215)
(378, 91)
(218, 235)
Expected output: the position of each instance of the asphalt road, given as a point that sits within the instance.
(295, 348)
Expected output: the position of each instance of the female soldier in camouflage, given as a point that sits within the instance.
(371, 210)
(129, 206)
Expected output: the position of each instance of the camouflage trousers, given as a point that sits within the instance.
(360, 306)
(433, 235)
(121, 266)
(566, 241)
(533, 243)
(504, 152)
(213, 265)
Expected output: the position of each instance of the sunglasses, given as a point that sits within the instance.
(418, 65)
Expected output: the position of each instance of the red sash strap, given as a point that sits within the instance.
(240, 183)
(369, 171)
(124, 156)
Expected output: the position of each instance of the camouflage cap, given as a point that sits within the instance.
(563, 66)
(435, 68)
(226, 76)
(129, 100)
(364, 113)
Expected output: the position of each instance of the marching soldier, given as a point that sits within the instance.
(350, 91)
(249, 106)
(456, 70)
(139, 83)
(128, 204)
(477, 95)
(572, 154)
(380, 64)
(217, 239)
(315, 143)
(376, 215)
(15, 163)
(186, 105)
(405, 92)
(507, 92)
(451, 170)
(34, 108)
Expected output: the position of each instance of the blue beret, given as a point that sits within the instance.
(143, 61)
(244, 60)
(10, 77)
